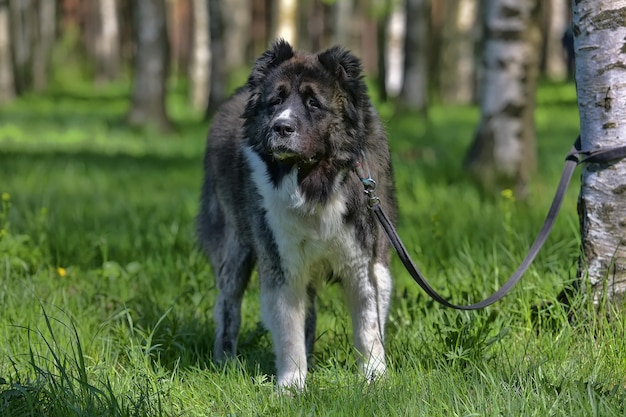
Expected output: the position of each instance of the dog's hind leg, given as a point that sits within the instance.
(232, 263)
(232, 275)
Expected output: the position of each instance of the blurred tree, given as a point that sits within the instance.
(22, 18)
(314, 24)
(33, 28)
(556, 23)
(286, 17)
(365, 20)
(600, 29)
(218, 76)
(151, 65)
(237, 33)
(106, 45)
(503, 153)
(260, 25)
(457, 72)
(7, 83)
(381, 10)
(414, 92)
(344, 26)
(44, 37)
(200, 69)
(180, 27)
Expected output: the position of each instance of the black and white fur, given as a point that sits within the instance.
(280, 192)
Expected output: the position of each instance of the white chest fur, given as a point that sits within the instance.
(308, 237)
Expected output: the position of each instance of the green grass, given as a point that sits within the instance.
(106, 300)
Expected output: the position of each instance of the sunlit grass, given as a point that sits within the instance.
(106, 300)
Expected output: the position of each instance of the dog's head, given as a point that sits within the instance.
(306, 109)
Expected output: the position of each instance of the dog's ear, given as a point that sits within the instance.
(346, 68)
(279, 52)
(341, 63)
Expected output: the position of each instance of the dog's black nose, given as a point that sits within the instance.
(284, 127)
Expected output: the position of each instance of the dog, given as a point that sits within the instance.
(280, 192)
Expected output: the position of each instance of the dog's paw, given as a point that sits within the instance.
(374, 369)
(291, 383)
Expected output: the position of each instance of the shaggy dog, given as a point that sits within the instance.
(280, 191)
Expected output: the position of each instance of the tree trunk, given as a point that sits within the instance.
(180, 27)
(381, 58)
(600, 29)
(107, 41)
(414, 93)
(458, 63)
(237, 33)
(7, 83)
(151, 60)
(260, 26)
(394, 59)
(218, 77)
(42, 48)
(555, 57)
(286, 18)
(201, 55)
(21, 23)
(503, 153)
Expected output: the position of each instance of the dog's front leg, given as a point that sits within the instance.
(284, 310)
(368, 294)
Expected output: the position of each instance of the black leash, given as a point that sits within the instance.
(571, 161)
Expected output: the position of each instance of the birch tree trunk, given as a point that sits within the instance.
(107, 41)
(151, 61)
(200, 69)
(7, 83)
(286, 18)
(599, 28)
(503, 153)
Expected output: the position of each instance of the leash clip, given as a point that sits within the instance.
(369, 185)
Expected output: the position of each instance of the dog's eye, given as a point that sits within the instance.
(312, 102)
(276, 101)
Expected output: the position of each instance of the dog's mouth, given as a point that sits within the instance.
(289, 158)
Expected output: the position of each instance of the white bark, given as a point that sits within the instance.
(503, 152)
(200, 69)
(600, 29)
(7, 83)
(286, 18)
(107, 41)
(395, 51)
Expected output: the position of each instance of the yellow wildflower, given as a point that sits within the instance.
(61, 271)
(6, 196)
(507, 194)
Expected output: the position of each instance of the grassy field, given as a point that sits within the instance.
(106, 300)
